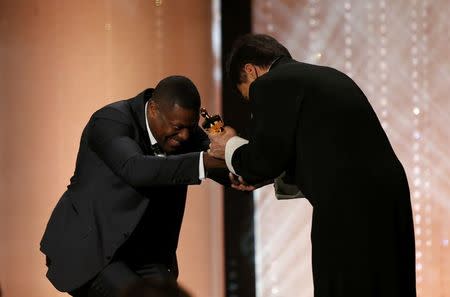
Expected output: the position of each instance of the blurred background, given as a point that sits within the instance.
(397, 52)
(62, 60)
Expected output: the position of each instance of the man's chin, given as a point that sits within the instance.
(170, 149)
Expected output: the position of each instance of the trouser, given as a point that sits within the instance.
(117, 276)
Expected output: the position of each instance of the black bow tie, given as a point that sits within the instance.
(157, 150)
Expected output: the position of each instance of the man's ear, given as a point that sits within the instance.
(153, 108)
(249, 70)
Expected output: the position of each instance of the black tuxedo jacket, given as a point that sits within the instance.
(317, 125)
(115, 180)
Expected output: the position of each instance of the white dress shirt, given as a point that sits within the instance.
(233, 144)
(201, 166)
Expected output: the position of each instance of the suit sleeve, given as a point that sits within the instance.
(110, 137)
(271, 147)
(219, 175)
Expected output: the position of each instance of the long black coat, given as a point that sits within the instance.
(116, 180)
(317, 125)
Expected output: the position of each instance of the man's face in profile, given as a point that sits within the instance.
(171, 126)
(249, 74)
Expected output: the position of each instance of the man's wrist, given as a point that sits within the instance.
(210, 162)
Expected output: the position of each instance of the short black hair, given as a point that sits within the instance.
(177, 89)
(257, 49)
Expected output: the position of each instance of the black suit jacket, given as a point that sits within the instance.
(116, 176)
(317, 125)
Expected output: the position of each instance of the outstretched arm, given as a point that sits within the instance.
(110, 136)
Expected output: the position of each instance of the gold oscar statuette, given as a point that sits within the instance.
(212, 124)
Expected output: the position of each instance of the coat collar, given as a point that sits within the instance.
(280, 61)
(138, 107)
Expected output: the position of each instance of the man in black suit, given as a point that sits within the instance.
(315, 126)
(120, 218)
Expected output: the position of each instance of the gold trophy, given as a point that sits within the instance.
(212, 124)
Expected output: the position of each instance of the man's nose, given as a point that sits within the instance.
(183, 135)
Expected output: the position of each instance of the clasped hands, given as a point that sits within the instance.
(217, 150)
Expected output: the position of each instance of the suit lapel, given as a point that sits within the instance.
(138, 111)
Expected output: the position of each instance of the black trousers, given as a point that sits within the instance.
(118, 275)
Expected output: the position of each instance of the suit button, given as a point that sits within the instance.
(126, 234)
(108, 257)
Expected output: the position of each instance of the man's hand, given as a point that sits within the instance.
(238, 183)
(219, 141)
(212, 163)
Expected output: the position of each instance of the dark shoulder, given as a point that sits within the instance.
(118, 111)
(294, 76)
(284, 79)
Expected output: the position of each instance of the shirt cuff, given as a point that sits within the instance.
(201, 168)
(233, 144)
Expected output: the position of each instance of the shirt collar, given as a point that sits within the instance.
(150, 135)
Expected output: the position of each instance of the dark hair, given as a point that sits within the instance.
(148, 287)
(257, 49)
(178, 90)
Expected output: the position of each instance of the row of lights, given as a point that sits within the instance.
(348, 38)
(370, 50)
(313, 23)
(420, 186)
(382, 50)
(377, 72)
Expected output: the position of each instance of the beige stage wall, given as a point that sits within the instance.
(59, 62)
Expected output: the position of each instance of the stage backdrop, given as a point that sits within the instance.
(397, 51)
(59, 62)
